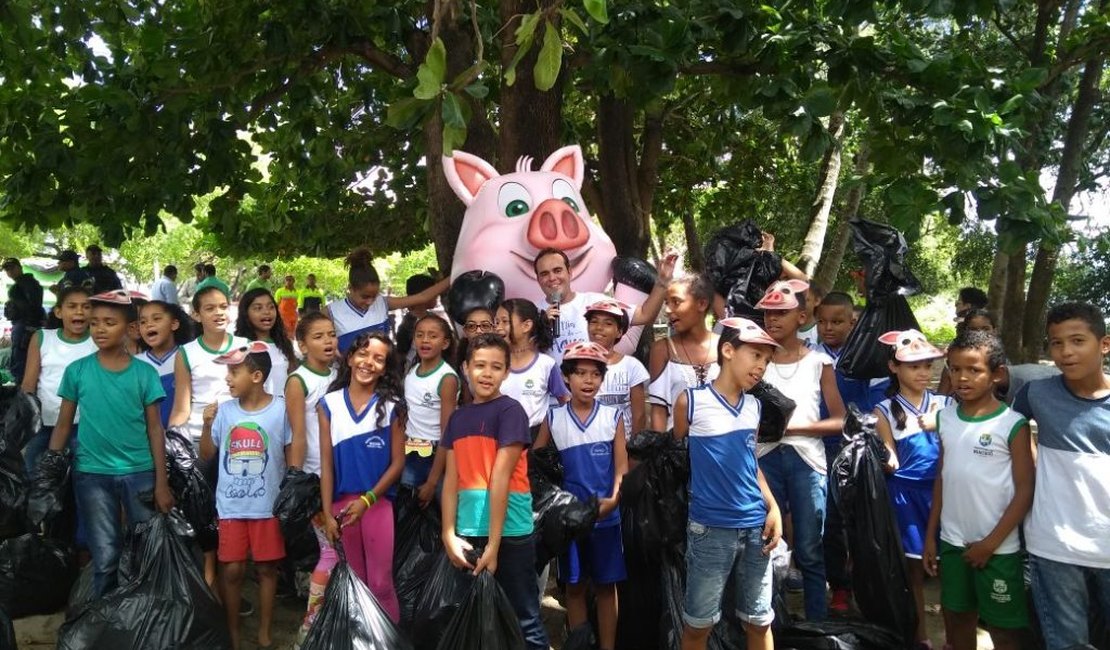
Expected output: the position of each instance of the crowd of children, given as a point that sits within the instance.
(452, 420)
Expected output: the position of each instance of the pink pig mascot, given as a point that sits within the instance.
(510, 218)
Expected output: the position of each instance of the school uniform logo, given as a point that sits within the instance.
(427, 398)
(529, 384)
(600, 449)
(375, 442)
(984, 449)
(1000, 591)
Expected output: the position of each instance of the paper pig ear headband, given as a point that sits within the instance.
(782, 295)
(747, 331)
(910, 346)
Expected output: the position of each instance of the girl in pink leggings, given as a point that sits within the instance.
(362, 446)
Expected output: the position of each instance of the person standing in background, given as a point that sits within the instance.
(165, 287)
(311, 298)
(24, 310)
(72, 275)
(262, 280)
(189, 287)
(104, 278)
(287, 297)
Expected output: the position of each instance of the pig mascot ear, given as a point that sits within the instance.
(567, 161)
(466, 174)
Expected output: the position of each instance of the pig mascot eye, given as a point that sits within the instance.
(564, 191)
(514, 200)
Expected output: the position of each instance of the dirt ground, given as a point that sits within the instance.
(40, 631)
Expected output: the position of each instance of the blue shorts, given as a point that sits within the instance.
(714, 555)
(912, 501)
(600, 558)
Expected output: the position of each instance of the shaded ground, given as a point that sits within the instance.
(40, 631)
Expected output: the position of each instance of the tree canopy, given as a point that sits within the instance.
(308, 128)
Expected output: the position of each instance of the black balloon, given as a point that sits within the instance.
(473, 290)
(634, 272)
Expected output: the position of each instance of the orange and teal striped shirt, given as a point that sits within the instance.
(475, 433)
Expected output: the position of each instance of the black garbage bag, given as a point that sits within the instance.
(22, 419)
(740, 271)
(863, 357)
(472, 290)
(297, 503)
(194, 496)
(7, 631)
(35, 575)
(882, 250)
(673, 580)
(656, 494)
(484, 621)
(167, 605)
(82, 592)
(416, 548)
(641, 594)
(49, 489)
(775, 414)
(559, 519)
(634, 272)
(546, 464)
(351, 618)
(837, 635)
(13, 494)
(879, 579)
(443, 593)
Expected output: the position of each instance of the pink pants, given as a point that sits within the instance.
(368, 545)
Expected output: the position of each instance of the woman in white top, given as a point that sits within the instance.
(688, 357)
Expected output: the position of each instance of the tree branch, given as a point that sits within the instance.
(722, 68)
(382, 60)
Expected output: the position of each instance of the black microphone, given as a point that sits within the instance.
(554, 299)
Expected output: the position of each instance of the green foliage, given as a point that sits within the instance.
(1084, 273)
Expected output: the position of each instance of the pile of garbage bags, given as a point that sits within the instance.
(484, 621)
(36, 556)
(739, 270)
(193, 496)
(558, 516)
(165, 603)
(882, 250)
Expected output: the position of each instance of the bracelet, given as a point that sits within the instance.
(365, 500)
(371, 496)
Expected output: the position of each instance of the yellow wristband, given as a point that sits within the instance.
(366, 501)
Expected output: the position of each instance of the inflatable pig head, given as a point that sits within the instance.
(510, 218)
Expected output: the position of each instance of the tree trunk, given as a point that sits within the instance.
(1014, 304)
(824, 278)
(996, 290)
(1071, 160)
(531, 120)
(827, 179)
(695, 257)
(627, 174)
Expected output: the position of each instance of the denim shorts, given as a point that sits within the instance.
(716, 554)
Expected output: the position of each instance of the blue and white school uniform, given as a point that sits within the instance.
(911, 486)
(534, 386)
(164, 365)
(360, 442)
(350, 321)
(586, 450)
(727, 510)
